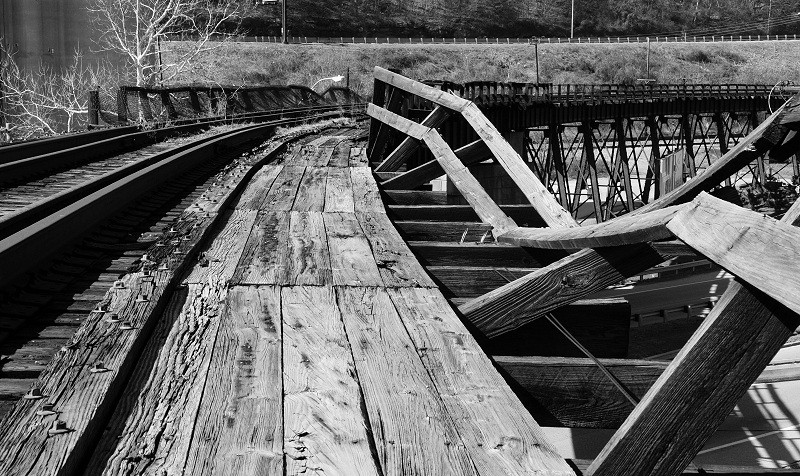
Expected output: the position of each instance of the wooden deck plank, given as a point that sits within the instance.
(256, 191)
(413, 432)
(325, 430)
(239, 428)
(366, 197)
(311, 192)
(282, 193)
(308, 261)
(339, 191)
(358, 157)
(222, 260)
(266, 253)
(397, 264)
(341, 156)
(500, 435)
(352, 263)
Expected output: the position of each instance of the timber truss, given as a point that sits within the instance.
(755, 316)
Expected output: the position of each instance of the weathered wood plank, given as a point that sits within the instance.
(341, 156)
(310, 195)
(282, 193)
(222, 260)
(352, 263)
(567, 280)
(551, 212)
(413, 230)
(408, 127)
(626, 230)
(366, 197)
(266, 253)
(358, 157)
(471, 253)
(325, 428)
(148, 430)
(466, 183)
(255, 193)
(409, 145)
(239, 429)
(308, 261)
(413, 431)
(469, 154)
(519, 213)
(397, 265)
(424, 91)
(499, 434)
(339, 192)
(416, 197)
(759, 250)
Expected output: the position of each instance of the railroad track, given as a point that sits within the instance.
(69, 232)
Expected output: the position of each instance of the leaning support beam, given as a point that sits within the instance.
(409, 145)
(470, 154)
(713, 370)
(436, 96)
(381, 137)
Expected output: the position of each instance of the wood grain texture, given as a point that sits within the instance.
(308, 259)
(282, 193)
(408, 127)
(256, 191)
(150, 431)
(501, 436)
(396, 263)
(469, 154)
(551, 212)
(409, 145)
(757, 249)
(239, 429)
(565, 281)
(466, 183)
(325, 430)
(358, 157)
(424, 91)
(422, 230)
(625, 230)
(519, 213)
(352, 263)
(226, 249)
(414, 434)
(310, 195)
(339, 192)
(366, 197)
(265, 256)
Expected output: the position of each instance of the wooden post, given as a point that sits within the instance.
(122, 105)
(382, 133)
(688, 138)
(93, 103)
(378, 99)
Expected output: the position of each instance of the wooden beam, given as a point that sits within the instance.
(518, 213)
(424, 91)
(418, 230)
(409, 145)
(378, 146)
(470, 154)
(472, 253)
(398, 122)
(625, 230)
(757, 249)
(565, 281)
(537, 194)
(416, 197)
(725, 355)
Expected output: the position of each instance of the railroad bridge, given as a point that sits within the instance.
(244, 294)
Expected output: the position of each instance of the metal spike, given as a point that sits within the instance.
(34, 393)
(484, 236)
(126, 326)
(142, 298)
(59, 427)
(113, 318)
(119, 284)
(46, 410)
(98, 368)
(463, 236)
(101, 307)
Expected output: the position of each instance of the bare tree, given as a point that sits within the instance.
(44, 102)
(137, 28)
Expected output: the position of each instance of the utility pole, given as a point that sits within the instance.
(572, 21)
(769, 18)
(536, 52)
(648, 58)
(283, 21)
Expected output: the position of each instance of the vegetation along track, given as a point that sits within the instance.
(79, 234)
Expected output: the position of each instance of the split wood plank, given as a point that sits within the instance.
(310, 195)
(470, 154)
(325, 429)
(283, 191)
(466, 183)
(266, 253)
(222, 260)
(320, 157)
(151, 427)
(537, 194)
(239, 428)
(757, 249)
(339, 192)
(358, 157)
(341, 156)
(424, 91)
(397, 264)
(366, 197)
(352, 263)
(308, 261)
(702, 384)
(625, 230)
(413, 431)
(256, 191)
(567, 280)
(409, 145)
(499, 434)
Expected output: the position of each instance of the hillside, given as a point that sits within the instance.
(523, 18)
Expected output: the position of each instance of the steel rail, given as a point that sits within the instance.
(54, 224)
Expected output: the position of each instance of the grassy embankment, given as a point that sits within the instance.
(264, 63)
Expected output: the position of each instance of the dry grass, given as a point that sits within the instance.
(264, 63)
